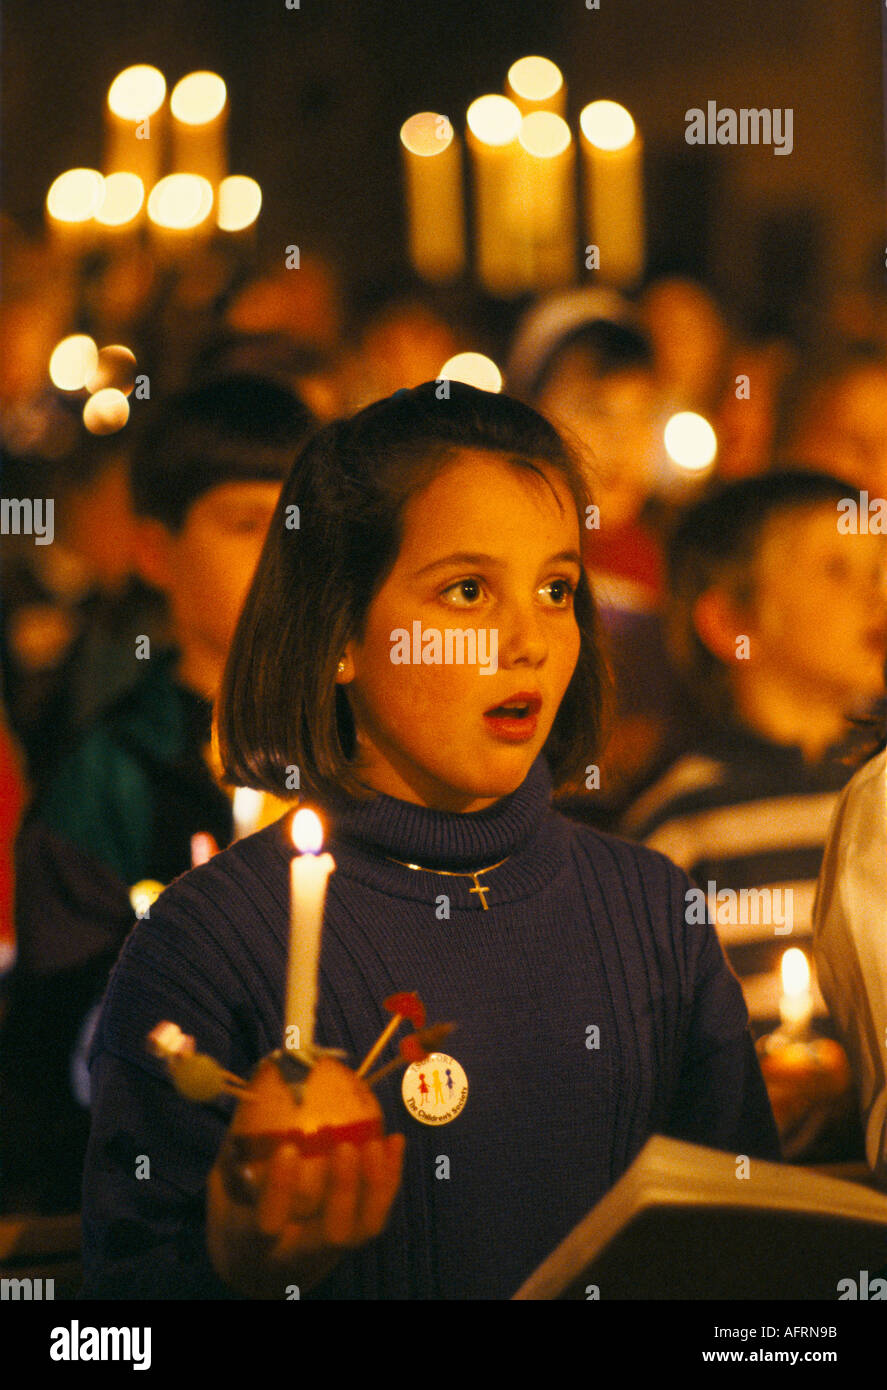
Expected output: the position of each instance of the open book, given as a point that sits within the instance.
(683, 1223)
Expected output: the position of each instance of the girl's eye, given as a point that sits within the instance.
(562, 591)
(468, 588)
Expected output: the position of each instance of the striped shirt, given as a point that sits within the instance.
(748, 819)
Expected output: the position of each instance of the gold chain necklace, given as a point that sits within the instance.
(478, 888)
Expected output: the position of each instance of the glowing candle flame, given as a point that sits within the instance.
(494, 120)
(607, 125)
(137, 92)
(535, 78)
(474, 369)
(690, 441)
(73, 361)
(795, 972)
(306, 831)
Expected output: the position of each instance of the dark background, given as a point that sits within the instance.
(317, 95)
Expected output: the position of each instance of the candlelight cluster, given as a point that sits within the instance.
(524, 187)
(164, 162)
(107, 375)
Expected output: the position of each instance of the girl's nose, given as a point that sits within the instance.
(522, 637)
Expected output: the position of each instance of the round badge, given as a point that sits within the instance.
(435, 1090)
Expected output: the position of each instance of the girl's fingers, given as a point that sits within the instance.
(339, 1217)
(281, 1182)
(310, 1189)
(382, 1167)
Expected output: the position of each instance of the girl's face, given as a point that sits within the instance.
(486, 550)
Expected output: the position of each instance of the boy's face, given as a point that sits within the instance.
(422, 728)
(616, 418)
(820, 609)
(209, 564)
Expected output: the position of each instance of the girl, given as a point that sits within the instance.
(590, 1013)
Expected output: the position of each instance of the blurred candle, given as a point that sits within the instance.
(502, 252)
(247, 810)
(309, 874)
(536, 84)
(73, 362)
(796, 1003)
(614, 190)
(106, 412)
(433, 174)
(178, 213)
(71, 205)
(474, 369)
(120, 210)
(134, 123)
(239, 203)
(690, 441)
(199, 106)
(547, 187)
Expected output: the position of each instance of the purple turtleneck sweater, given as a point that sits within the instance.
(581, 929)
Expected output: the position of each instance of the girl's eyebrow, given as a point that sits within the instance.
(468, 557)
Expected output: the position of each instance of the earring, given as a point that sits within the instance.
(341, 667)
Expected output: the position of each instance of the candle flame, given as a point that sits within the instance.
(474, 369)
(198, 98)
(426, 134)
(307, 831)
(544, 134)
(795, 972)
(73, 360)
(76, 195)
(137, 92)
(494, 120)
(535, 78)
(690, 441)
(607, 125)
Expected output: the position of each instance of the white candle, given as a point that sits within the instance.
(504, 258)
(547, 199)
(134, 123)
(433, 173)
(614, 190)
(796, 1003)
(199, 106)
(309, 873)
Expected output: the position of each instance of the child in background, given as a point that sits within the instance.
(123, 805)
(778, 623)
(458, 512)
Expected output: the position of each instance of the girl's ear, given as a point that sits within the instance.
(152, 553)
(718, 621)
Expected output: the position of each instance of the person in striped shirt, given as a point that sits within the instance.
(777, 621)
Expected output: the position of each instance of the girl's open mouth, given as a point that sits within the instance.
(516, 719)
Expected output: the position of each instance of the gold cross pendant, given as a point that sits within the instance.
(480, 888)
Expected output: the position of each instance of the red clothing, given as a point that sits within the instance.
(12, 800)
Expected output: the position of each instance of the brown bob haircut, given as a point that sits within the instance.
(279, 704)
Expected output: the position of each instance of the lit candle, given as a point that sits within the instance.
(503, 253)
(72, 202)
(134, 120)
(433, 173)
(199, 106)
(536, 84)
(547, 199)
(796, 1003)
(614, 190)
(179, 208)
(309, 872)
(247, 810)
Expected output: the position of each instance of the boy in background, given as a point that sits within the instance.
(778, 623)
(126, 801)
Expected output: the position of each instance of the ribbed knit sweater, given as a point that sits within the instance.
(581, 929)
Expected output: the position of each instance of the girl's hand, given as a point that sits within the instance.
(289, 1224)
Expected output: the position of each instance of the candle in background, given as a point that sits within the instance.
(179, 209)
(134, 123)
(247, 809)
(614, 190)
(546, 181)
(474, 369)
(309, 873)
(120, 210)
(73, 362)
(72, 202)
(239, 202)
(433, 173)
(796, 1002)
(536, 84)
(199, 106)
(503, 254)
